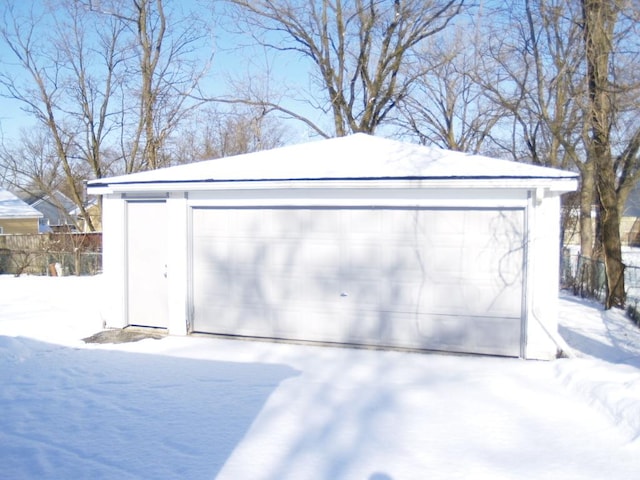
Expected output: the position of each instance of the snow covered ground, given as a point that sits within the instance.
(205, 408)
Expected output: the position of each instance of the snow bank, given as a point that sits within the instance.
(612, 389)
(607, 375)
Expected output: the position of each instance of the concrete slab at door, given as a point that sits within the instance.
(147, 264)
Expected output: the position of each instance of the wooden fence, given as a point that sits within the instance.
(51, 254)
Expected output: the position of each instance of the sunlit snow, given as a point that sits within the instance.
(205, 408)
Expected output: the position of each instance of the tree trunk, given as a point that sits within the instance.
(611, 245)
(599, 17)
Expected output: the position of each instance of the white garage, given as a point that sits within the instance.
(355, 240)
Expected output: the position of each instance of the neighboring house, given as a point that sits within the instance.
(93, 210)
(55, 208)
(352, 240)
(17, 217)
(629, 222)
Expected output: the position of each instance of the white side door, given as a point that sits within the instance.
(146, 262)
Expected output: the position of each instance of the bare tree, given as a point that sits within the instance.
(447, 106)
(599, 20)
(33, 163)
(167, 46)
(110, 88)
(625, 80)
(358, 50)
(214, 134)
(35, 169)
(61, 88)
(533, 66)
(565, 73)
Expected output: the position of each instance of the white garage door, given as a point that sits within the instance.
(442, 279)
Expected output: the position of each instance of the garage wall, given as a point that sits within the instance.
(543, 340)
(174, 222)
(178, 263)
(113, 308)
(542, 213)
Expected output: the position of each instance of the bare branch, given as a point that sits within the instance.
(358, 48)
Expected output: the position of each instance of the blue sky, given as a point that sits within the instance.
(233, 64)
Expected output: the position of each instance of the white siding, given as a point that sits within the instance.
(541, 212)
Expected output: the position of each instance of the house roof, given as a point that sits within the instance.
(12, 207)
(56, 198)
(29, 197)
(354, 157)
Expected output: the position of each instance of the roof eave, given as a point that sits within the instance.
(554, 184)
(29, 216)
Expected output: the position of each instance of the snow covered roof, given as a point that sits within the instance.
(12, 207)
(354, 157)
(35, 198)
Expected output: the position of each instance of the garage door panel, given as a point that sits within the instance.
(448, 263)
(452, 333)
(425, 278)
(488, 301)
(483, 335)
(452, 224)
(241, 322)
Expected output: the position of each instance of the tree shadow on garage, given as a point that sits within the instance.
(83, 413)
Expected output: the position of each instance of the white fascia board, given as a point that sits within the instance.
(359, 203)
(101, 190)
(564, 186)
(552, 184)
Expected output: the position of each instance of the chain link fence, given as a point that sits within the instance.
(50, 263)
(586, 277)
(51, 254)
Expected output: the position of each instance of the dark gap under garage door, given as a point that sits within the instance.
(438, 279)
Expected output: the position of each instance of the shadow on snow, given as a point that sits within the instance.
(76, 413)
